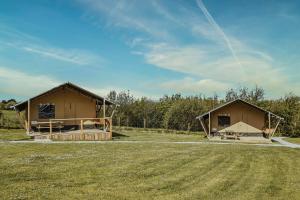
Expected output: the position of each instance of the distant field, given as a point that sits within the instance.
(293, 140)
(148, 171)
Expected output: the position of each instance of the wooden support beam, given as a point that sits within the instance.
(50, 125)
(203, 126)
(104, 108)
(28, 117)
(276, 127)
(81, 126)
(269, 116)
(209, 125)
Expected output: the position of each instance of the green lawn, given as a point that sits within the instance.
(148, 171)
(13, 134)
(139, 134)
(293, 140)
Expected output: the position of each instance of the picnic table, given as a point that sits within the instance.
(230, 135)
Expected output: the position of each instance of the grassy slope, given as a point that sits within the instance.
(293, 140)
(148, 171)
(13, 134)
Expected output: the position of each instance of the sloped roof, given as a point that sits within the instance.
(21, 106)
(234, 101)
(241, 127)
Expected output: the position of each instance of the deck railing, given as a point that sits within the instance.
(106, 122)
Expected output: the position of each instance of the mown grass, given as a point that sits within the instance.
(162, 135)
(13, 134)
(148, 171)
(293, 140)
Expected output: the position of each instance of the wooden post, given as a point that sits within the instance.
(209, 125)
(103, 108)
(81, 126)
(203, 125)
(50, 128)
(104, 114)
(269, 116)
(28, 117)
(110, 128)
(275, 128)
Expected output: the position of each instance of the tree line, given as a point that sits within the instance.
(179, 112)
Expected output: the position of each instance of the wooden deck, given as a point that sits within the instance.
(242, 139)
(87, 135)
(90, 134)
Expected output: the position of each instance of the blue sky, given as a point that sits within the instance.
(149, 47)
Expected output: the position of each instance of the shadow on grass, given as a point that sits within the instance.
(118, 135)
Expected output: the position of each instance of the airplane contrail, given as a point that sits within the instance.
(214, 24)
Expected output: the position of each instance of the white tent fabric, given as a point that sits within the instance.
(241, 127)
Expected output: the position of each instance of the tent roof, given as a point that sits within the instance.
(21, 106)
(241, 127)
(234, 101)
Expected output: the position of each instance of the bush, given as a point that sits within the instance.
(182, 115)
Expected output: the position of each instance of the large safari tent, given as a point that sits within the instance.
(239, 118)
(68, 112)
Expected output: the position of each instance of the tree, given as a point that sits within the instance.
(231, 95)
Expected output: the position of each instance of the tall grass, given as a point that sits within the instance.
(9, 120)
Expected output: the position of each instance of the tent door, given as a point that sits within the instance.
(70, 112)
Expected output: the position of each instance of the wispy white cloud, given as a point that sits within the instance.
(206, 63)
(75, 56)
(191, 85)
(18, 83)
(13, 38)
(25, 84)
(215, 59)
(124, 14)
(218, 29)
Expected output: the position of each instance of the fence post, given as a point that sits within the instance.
(50, 128)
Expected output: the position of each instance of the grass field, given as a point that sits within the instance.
(140, 134)
(148, 171)
(293, 140)
(13, 134)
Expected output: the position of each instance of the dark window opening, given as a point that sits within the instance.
(224, 121)
(46, 111)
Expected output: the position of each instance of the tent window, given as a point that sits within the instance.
(224, 121)
(46, 111)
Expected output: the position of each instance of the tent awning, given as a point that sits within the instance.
(241, 127)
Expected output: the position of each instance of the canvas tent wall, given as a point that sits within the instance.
(237, 111)
(63, 102)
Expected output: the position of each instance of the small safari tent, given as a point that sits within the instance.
(239, 119)
(67, 112)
